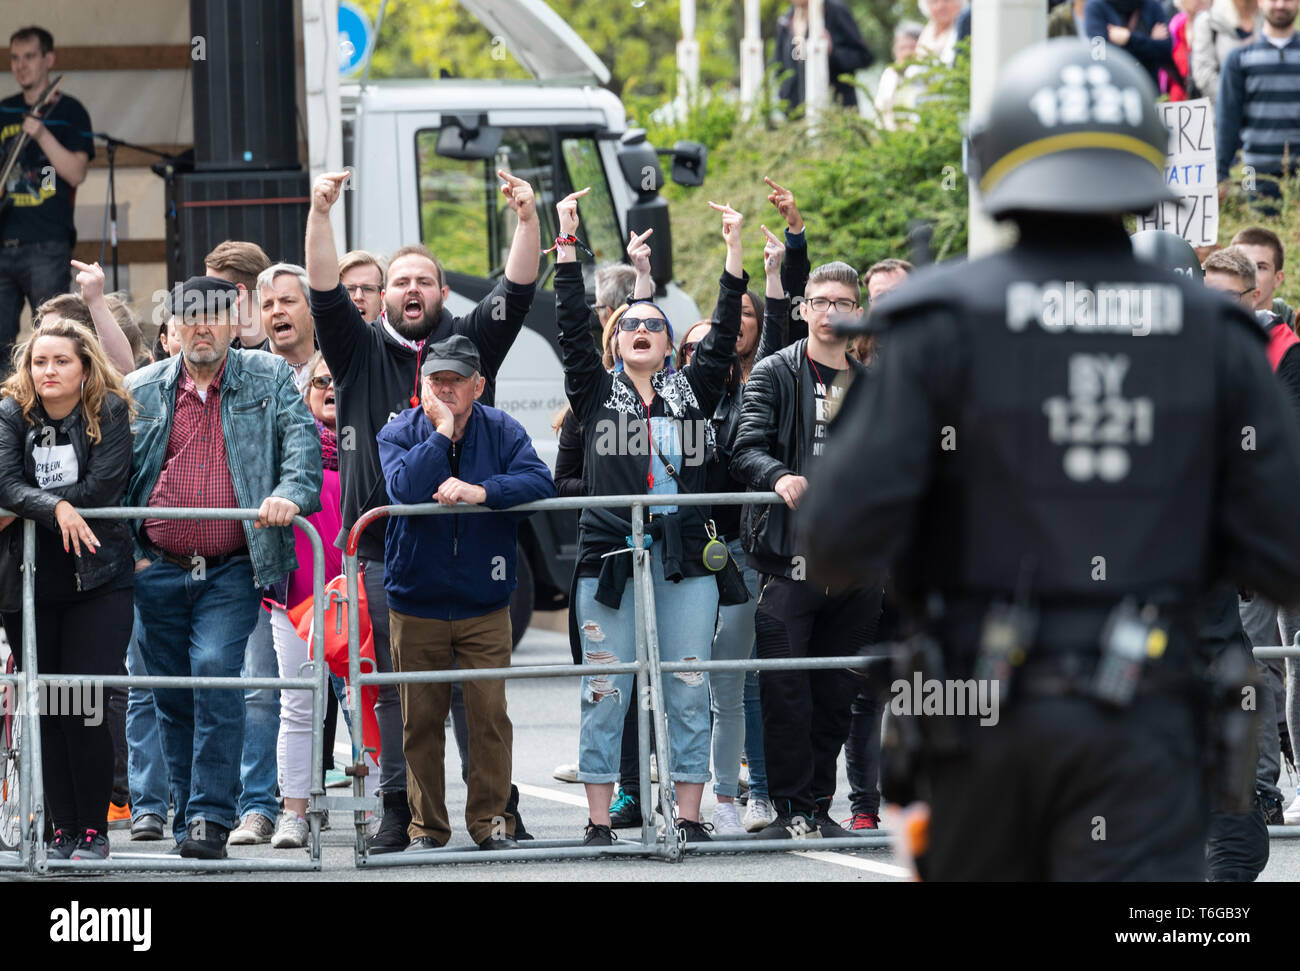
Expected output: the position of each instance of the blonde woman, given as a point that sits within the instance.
(65, 442)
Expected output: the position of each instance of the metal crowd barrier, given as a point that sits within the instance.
(31, 854)
(649, 670)
(647, 667)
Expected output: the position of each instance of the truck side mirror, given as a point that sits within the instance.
(689, 162)
(639, 163)
(468, 138)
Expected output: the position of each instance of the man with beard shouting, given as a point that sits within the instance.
(376, 373)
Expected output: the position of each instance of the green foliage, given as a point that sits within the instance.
(859, 187)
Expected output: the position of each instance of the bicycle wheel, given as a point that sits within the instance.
(10, 742)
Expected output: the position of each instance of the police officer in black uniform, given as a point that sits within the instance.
(1060, 450)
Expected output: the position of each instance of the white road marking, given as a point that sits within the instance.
(551, 794)
(888, 869)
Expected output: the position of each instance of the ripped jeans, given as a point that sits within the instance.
(685, 612)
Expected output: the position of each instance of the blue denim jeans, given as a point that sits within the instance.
(146, 768)
(196, 627)
(733, 641)
(257, 769)
(30, 273)
(685, 613)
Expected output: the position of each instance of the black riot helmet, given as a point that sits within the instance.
(1169, 250)
(1067, 133)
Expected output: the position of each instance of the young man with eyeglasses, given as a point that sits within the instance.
(362, 276)
(789, 402)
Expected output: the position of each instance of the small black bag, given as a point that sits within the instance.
(731, 584)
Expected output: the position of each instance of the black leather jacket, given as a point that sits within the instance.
(105, 468)
(773, 439)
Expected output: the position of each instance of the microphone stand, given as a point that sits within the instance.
(112, 144)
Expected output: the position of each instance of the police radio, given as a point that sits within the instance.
(1007, 636)
(1130, 638)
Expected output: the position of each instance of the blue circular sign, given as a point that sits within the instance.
(354, 37)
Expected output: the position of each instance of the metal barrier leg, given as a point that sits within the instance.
(34, 783)
(645, 699)
(647, 638)
(321, 675)
(358, 770)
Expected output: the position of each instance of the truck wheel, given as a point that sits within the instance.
(521, 601)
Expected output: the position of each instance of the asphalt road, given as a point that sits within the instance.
(545, 717)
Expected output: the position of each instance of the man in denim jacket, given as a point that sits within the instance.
(215, 427)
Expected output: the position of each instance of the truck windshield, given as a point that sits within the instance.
(466, 221)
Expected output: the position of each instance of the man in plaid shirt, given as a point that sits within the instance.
(216, 427)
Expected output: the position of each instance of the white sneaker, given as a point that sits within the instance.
(726, 821)
(1291, 814)
(253, 828)
(758, 814)
(290, 833)
(565, 773)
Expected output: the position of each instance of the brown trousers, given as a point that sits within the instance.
(432, 645)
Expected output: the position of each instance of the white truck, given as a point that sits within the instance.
(424, 156)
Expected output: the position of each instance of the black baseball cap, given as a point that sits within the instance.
(456, 353)
(201, 296)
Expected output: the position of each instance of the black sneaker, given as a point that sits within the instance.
(64, 844)
(598, 835)
(420, 843)
(205, 840)
(93, 845)
(392, 836)
(499, 843)
(624, 811)
(695, 831)
(790, 828)
(828, 827)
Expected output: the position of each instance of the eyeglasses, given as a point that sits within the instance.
(322, 381)
(688, 348)
(369, 289)
(652, 324)
(844, 305)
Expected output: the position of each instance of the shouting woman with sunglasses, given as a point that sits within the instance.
(645, 430)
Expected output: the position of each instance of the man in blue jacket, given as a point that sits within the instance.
(449, 580)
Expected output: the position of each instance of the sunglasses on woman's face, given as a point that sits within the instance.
(688, 349)
(321, 381)
(652, 324)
